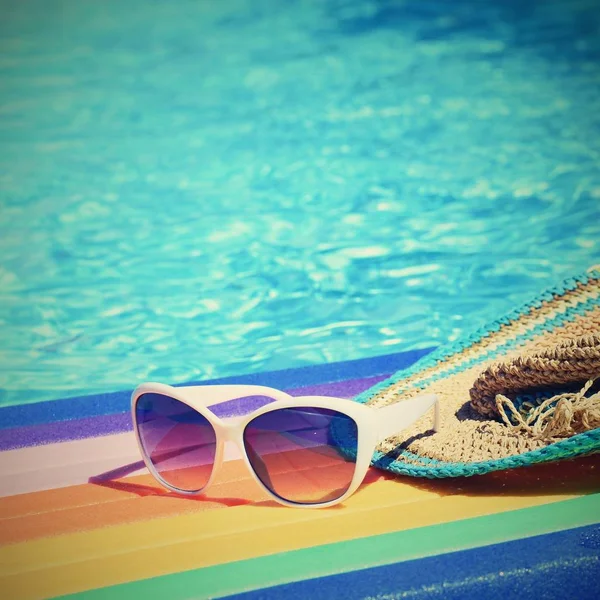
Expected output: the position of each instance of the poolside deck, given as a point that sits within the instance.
(79, 515)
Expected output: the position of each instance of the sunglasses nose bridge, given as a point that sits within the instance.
(232, 432)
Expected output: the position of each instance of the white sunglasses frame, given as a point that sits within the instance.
(374, 425)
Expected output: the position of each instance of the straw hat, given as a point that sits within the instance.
(517, 392)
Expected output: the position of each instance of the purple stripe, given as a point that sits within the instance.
(340, 389)
(77, 429)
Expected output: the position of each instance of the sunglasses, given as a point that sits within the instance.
(310, 451)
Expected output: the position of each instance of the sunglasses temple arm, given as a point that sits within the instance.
(394, 418)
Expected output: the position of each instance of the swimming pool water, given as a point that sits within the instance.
(196, 189)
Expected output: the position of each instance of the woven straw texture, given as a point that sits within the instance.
(517, 392)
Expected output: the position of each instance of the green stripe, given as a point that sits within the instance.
(266, 571)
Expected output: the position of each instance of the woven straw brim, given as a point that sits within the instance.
(469, 442)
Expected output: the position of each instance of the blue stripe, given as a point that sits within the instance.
(118, 402)
(564, 565)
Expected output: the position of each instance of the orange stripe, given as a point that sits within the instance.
(100, 491)
(139, 498)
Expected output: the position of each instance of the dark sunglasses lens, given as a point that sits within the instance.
(303, 455)
(180, 442)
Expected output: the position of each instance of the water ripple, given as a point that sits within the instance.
(194, 190)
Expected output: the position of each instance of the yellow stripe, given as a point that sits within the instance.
(69, 563)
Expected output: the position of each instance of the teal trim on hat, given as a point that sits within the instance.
(580, 444)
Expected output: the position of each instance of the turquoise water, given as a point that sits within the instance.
(191, 190)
